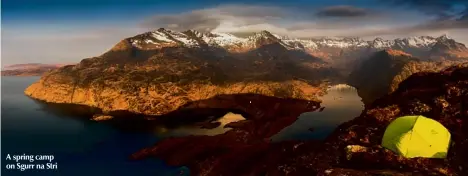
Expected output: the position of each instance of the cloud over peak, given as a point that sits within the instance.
(342, 11)
(337, 20)
(210, 18)
(300, 22)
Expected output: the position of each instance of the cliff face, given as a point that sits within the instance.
(382, 72)
(442, 96)
(156, 79)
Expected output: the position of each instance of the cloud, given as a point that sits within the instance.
(243, 19)
(343, 11)
(442, 9)
(460, 23)
(443, 16)
(444, 22)
(341, 20)
(210, 18)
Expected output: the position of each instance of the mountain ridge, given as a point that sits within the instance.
(166, 37)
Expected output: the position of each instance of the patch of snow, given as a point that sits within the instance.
(224, 39)
(381, 43)
(186, 41)
(427, 41)
(412, 42)
(341, 42)
(161, 37)
(334, 43)
(181, 37)
(280, 37)
(150, 41)
(423, 41)
(308, 44)
(135, 42)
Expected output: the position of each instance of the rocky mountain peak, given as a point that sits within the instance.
(446, 44)
(193, 32)
(263, 34)
(161, 30)
(263, 38)
(443, 37)
(378, 39)
(381, 43)
(418, 46)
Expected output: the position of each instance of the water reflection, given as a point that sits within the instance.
(341, 103)
(163, 131)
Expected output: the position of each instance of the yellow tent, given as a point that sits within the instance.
(417, 136)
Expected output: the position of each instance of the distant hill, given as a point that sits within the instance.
(29, 69)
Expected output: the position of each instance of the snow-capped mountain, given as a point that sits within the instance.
(192, 38)
(421, 46)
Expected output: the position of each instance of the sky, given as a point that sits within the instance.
(66, 31)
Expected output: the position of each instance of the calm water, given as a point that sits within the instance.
(80, 147)
(341, 103)
(83, 147)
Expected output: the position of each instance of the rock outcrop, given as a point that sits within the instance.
(352, 149)
(159, 76)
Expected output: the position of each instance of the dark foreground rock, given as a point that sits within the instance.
(381, 73)
(441, 96)
(246, 149)
(352, 149)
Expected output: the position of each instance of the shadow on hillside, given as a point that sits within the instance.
(254, 107)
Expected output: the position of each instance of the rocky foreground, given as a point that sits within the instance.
(353, 149)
